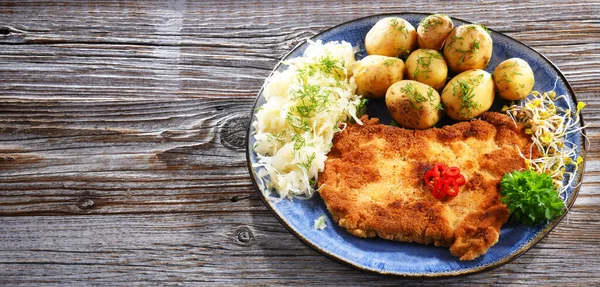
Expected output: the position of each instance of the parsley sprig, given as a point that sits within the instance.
(530, 197)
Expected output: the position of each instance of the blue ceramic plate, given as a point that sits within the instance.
(409, 259)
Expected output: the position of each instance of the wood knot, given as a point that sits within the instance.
(4, 31)
(11, 35)
(166, 134)
(237, 198)
(233, 132)
(6, 158)
(85, 203)
(244, 235)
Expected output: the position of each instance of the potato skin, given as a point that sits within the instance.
(374, 74)
(413, 105)
(468, 95)
(468, 47)
(391, 36)
(433, 31)
(428, 67)
(513, 79)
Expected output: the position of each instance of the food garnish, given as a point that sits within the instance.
(431, 21)
(424, 63)
(305, 106)
(549, 125)
(320, 223)
(530, 196)
(442, 180)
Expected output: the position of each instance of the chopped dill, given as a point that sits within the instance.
(414, 97)
(389, 62)
(325, 65)
(362, 104)
(403, 52)
(430, 94)
(312, 99)
(278, 137)
(425, 62)
(462, 57)
(464, 89)
(299, 142)
(475, 46)
(431, 21)
(439, 107)
(484, 28)
(308, 162)
(298, 124)
(504, 78)
(399, 27)
(453, 39)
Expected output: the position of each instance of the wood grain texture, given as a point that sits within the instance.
(122, 127)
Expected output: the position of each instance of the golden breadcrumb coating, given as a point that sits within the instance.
(373, 184)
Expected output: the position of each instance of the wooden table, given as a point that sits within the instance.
(122, 130)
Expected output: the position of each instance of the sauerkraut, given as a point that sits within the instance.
(305, 106)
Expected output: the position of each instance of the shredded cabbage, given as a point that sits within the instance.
(320, 223)
(305, 106)
(549, 126)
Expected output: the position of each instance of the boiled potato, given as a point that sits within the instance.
(392, 37)
(513, 79)
(428, 67)
(468, 95)
(468, 47)
(374, 74)
(433, 30)
(413, 105)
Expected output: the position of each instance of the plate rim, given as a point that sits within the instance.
(543, 233)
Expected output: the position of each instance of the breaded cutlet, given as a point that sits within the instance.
(373, 184)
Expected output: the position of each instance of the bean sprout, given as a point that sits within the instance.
(549, 126)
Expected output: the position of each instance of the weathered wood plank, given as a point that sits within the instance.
(218, 248)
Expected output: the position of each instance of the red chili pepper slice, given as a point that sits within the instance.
(452, 188)
(445, 187)
(430, 178)
(439, 168)
(443, 181)
(451, 172)
(439, 190)
(460, 180)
